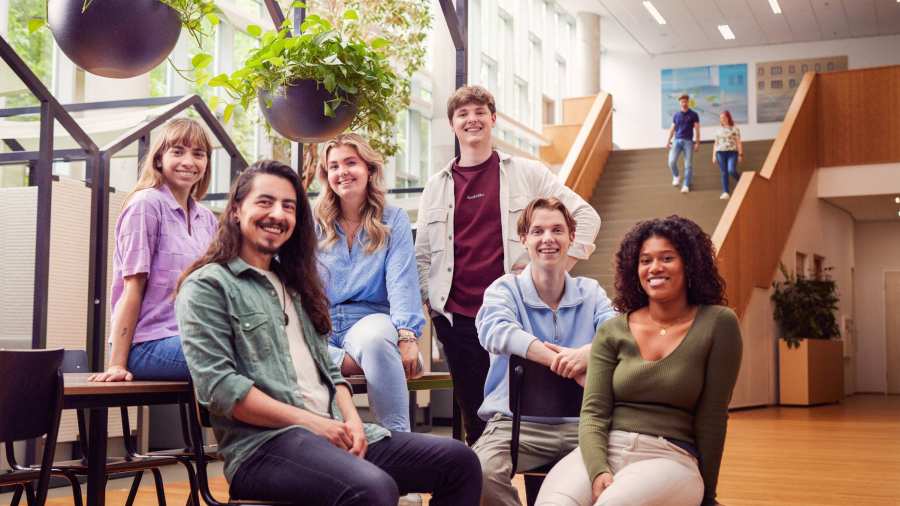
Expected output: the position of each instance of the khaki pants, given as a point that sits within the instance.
(539, 445)
(647, 471)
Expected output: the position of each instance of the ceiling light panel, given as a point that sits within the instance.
(653, 12)
(777, 8)
(726, 32)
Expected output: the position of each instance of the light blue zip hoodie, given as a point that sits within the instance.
(513, 315)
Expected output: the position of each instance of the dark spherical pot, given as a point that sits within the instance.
(297, 112)
(114, 38)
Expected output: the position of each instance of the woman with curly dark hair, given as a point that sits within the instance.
(659, 379)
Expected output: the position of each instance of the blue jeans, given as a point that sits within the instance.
(687, 146)
(300, 467)
(369, 337)
(161, 359)
(727, 166)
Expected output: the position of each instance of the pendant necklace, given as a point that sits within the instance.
(662, 330)
(283, 303)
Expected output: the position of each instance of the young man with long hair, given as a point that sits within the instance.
(254, 320)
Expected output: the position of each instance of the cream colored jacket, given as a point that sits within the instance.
(521, 181)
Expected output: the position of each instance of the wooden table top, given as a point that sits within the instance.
(428, 381)
(78, 384)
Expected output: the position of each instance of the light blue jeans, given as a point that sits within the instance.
(161, 359)
(369, 337)
(687, 146)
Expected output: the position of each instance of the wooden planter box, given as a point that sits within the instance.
(811, 374)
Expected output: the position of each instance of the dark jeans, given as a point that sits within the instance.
(727, 161)
(302, 468)
(469, 364)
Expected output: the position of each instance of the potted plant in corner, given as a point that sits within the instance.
(810, 359)
(123, 38)
(312, 86)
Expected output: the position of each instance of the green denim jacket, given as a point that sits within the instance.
(229, 318)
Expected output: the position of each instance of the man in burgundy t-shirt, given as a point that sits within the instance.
(478, 248)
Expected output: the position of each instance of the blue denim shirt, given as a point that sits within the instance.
(513, 316)
(385, 280)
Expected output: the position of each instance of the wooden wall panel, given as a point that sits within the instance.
(586, 158)
(859, 117)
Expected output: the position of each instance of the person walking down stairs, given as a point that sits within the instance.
(728, 151)
(686, 130)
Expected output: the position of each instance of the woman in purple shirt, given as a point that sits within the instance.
(162, 230)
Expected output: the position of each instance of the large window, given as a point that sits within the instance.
(522, 110)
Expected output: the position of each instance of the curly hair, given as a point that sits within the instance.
(702, 279)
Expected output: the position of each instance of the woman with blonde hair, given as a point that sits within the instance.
(367, 262)
(162, 229)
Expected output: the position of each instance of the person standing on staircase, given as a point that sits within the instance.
(466, 238)
(686, 132)
(728, 151)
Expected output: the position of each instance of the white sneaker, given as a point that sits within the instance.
(410, 500)
(685, 189)
(676, 181)
(723, 196)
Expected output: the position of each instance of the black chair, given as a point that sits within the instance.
(199, 420)
(132, 464)
(535, 390)
(31, 395)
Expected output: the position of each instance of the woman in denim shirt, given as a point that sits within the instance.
(367, 262)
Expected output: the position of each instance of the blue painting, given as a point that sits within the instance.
(713, 89)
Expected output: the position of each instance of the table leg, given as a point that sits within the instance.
(456, 421)
(96, 479)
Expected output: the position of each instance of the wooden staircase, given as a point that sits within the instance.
(637, 185)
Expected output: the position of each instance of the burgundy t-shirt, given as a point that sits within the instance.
(477, 235)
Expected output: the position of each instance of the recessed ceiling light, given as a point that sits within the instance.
(655, 13)
(726, 32)
(897, 199)
(777, 8)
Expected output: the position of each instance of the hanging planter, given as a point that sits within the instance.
(313, 86)
(114, 38)
(297, 112)
(123, 38)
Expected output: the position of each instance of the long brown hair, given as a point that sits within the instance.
(296, 265)
(179, 131)
(328, 207)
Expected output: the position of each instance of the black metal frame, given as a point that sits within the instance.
(40, 165)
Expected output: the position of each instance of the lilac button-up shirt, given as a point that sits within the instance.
(152, 237)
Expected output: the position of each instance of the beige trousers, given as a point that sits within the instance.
(647, 471)
(539, 445)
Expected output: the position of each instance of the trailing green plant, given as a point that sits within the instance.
(351, 69)
(405, 25)
(192, 13)
(804, 308)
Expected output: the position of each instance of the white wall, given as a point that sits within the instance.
(877, 247)
(820, 229)
(633, 78)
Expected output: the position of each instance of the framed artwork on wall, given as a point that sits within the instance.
(713, 89)
(776, 82)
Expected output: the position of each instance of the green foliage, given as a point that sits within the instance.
(349, 68)
(804, 308)
(399, 28)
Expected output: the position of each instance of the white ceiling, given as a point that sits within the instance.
(691, 25)
(869, 207)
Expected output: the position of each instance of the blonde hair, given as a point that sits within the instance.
(328, 208)
(180, 131)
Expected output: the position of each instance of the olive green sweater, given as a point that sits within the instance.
(683, 396)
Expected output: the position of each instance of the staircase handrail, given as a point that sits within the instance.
(586, 160)
(754, 227)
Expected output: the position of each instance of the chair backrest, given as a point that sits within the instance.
(30, 393)
(75, 361)
(538, 391)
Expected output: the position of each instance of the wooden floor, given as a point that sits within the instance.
(844, 454)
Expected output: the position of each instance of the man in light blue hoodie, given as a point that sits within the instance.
(546, 316)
